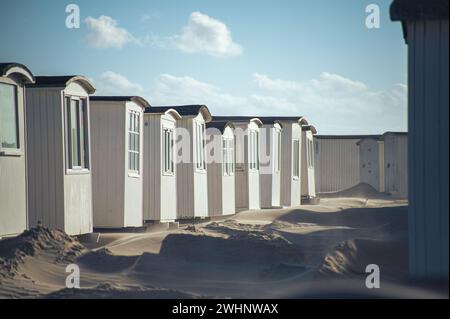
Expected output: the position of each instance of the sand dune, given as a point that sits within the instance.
(256, 254)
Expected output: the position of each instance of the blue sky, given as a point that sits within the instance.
(312, 58)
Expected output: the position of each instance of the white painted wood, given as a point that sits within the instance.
(270, 175)
(58, 198)
(396, 164)
(13, 201)
(160, 188)
(290, 185)
(247, 184)
(192, 183)
(370, 162)
(117, 193)
(308, 188)
(336, 163)
(221, 186)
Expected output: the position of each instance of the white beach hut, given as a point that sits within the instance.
(192, 179)
(247, 146)
(337, 162)
(160, 169)
(396, 163)
(270, 158)
(117, 153)
(426, 32)
(371, 161)
(308, 187)
(221, 166)
(59, 161)
(291, 141)
(13, 198)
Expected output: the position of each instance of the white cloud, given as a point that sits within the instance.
(104, 32)
(337, 104)
(173, 90)
(204, 34)
(333, 103)
(116, 84)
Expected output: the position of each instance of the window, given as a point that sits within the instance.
(200, 145)
(296, 159)
(133, 141)
(168, 167)
(277, 151)
(310, 153)
(9, 133)
(254, 150)
(77, 132)
(228, 156)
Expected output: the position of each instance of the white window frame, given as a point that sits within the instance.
(167, 150)
(310, 153)
(296, 159)
(134, 129)
(200, 146)
(228, 156)
(253, 150)
(82, 133)
(4, 150)
(277, 151)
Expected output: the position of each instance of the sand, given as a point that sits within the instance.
(309, 251)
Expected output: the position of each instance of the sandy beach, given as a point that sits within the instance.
(309, 251)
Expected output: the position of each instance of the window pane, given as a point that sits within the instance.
(74, 133)
(171, 145)
(85, 139)
(8, 116)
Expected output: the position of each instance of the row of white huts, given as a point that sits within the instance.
(343, 161)
(73, 161)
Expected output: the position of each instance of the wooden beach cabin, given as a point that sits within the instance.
(59, 159)
(337, 161)
(396, 163)
(291, 141)
(371, 161)
(426, 33)
(271, 161)
(247, 141)
(13, 154)
(308, 178)
(160, 169)
(117, 156)
(192, 179)
(221, 167)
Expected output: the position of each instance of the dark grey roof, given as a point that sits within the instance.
(350, 137)
(131, 98)
(63, 81)
(5, 66)
(405, 10)
(311, 128)
(273, 119)
(220, 125)
(237, 119)
(394, 133)
(183, 110)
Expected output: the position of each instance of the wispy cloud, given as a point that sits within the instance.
(334, 103)
(117, 84)
(104, 32)
(204, 34)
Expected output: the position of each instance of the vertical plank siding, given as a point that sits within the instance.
(45, 158)
(428, 147)
(336, 164)
(13, 210)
